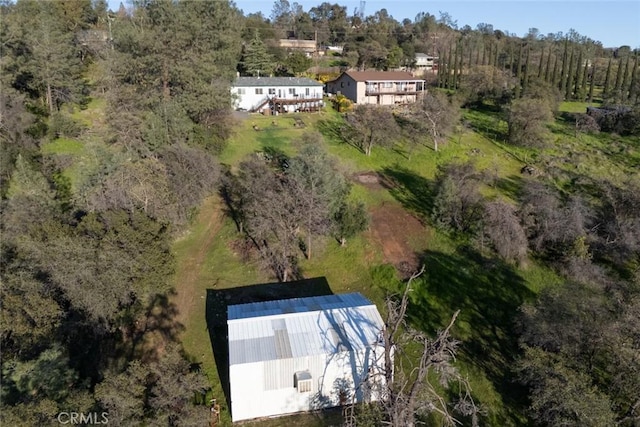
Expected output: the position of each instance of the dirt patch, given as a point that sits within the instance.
(370, 180)
(392, 228)
(373, 180)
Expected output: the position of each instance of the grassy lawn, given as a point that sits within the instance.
(488, 291)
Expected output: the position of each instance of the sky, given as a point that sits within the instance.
(613, 22)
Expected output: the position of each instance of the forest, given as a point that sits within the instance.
(129, 187)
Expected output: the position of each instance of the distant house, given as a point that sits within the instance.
(276, 94)
(309, 47)
(336, 49)
(302, 354)
(426, 63)
(377, 87)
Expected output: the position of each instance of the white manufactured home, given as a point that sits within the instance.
(276, 94)
(303, 354)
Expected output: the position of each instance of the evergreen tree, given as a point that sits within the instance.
(592, 82)
(607, 78)
(541, 64)
(634, 89)
(256, 61)
(563, 70)
(547, 69)
(525, 77)
(618, 82)
(518, 88)
(568, 83)
(585, 76)
(43, 59)
(554, 76)
(456, 56)
(625, 79)
(450, 65)
(577, 89)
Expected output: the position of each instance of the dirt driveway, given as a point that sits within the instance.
(393, 228)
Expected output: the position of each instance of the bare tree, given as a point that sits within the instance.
(271, 216)
(528, 119)
(501, 226)
(407, 390)
(370, 125)
(435, 115)
(321, 189)
(584, 123)
(457, 204)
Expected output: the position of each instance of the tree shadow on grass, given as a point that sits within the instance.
(488, 293)
(486, 124)
(337, 131)
(216, 313)
(510, 186)
(413, 191)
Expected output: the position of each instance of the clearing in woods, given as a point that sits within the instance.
(392, 228)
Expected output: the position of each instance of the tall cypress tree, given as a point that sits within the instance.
(541, 64)
(592, 82)
(554, 77)
(449, 79)
(563, 70)
(568, 82)
(634, 87)
(442, 70)
(625, 79)
(577, 89)
(525, 77)
(548, 68)
(456, 56)
(518, 87)
(583, 86)
(607, 78)
(618, 82)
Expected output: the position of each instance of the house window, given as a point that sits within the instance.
(303, 382)
(258, 91)
(292, 91)
(307, 91)
(241, 91)
(341, 84)
(272, 91)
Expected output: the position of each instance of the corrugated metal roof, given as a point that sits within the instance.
(275, 81)
(301, 327)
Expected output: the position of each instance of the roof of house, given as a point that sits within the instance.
(274, 81)
(301, 327)
(377, 76)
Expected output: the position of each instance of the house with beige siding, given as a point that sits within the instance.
(377, 87)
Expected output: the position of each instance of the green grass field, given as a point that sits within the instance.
(488, 291)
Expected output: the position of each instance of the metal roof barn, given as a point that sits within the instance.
(302, 354)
